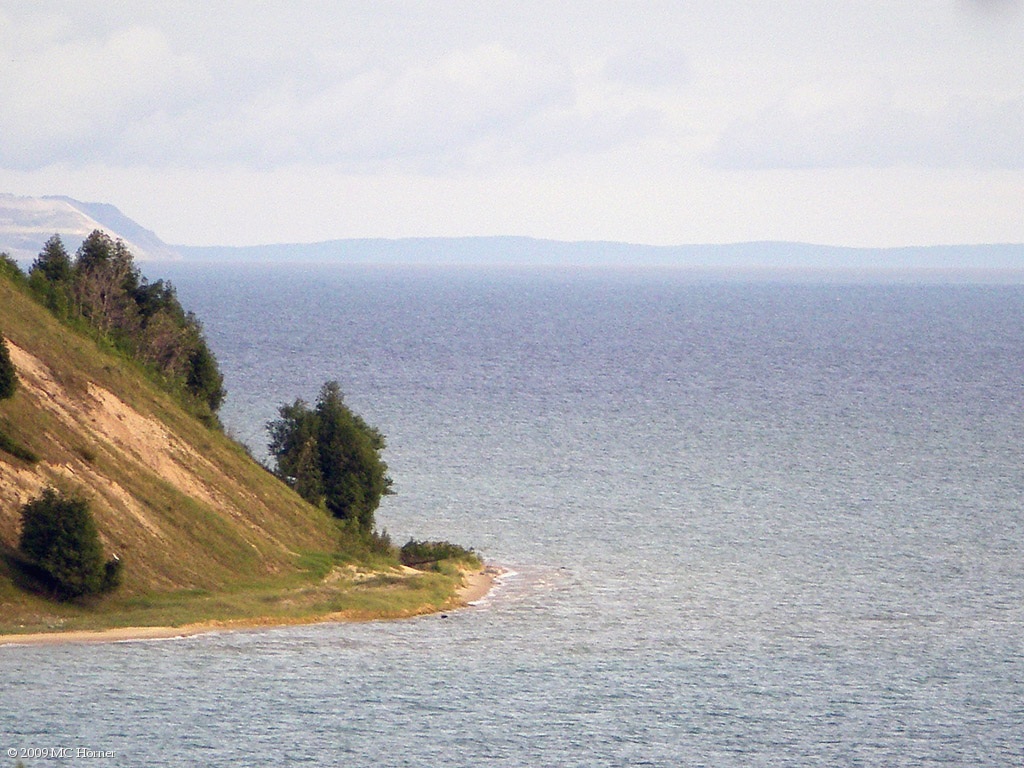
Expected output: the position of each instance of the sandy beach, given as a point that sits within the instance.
(475, 586)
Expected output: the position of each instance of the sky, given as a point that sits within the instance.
(236, 123)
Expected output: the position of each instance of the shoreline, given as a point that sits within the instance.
(476, 585)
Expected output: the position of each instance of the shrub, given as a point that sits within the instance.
(16, 449)
(10, 269)
(419, 553)
(59, 537)
(380, 543)
(113, 574)
(8, 375)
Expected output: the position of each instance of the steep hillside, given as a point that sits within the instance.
(194, 519)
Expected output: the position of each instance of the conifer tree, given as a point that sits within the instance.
(354, 476)
(53, 261)
(59, 537)
(51, 277)
(331, 457)
(8, 376)
(105, 282)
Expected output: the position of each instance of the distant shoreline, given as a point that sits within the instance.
(476, 585)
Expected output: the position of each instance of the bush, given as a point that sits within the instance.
(16, 449)
(59, 537)
(113, 574)
(416, 554)
(8, 375)
(10, 269)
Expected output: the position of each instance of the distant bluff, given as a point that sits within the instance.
(26, 223)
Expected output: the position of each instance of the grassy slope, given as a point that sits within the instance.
(204, 531)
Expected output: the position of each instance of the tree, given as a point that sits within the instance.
(354, 476)
(293, 442)
(331, 457)
(8, 375)
(104, 288)
(50, 277)
(59, 537)
(202, 377)
(53, 262)
(105, 281)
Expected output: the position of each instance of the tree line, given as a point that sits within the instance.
(104, 289)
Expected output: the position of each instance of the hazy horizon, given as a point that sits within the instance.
(863, 125)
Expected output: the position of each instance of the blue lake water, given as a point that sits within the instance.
(749, 524)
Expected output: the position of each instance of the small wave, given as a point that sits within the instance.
(499, 575)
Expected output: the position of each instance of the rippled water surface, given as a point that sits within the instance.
(748, 524)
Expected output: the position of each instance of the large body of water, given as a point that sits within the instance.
(750, 524)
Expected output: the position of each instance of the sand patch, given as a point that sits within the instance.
(114, 424)
(147, 440)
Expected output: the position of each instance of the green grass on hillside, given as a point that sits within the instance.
(251, 548)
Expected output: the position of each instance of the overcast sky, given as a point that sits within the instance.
(847, 123)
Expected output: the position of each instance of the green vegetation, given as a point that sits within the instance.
(9, 268)
(8, 386)
(59, 538)
(14, 448)
(209, 536)
(331, 457)
(8, 376)
(420, 554)
(103, 290)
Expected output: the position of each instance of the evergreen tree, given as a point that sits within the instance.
(203, 378)
(58, 535)
(8, 375)
(354, 476)
(51, 277)
(53, 262)
(331, 456)
(95, 252)
(293, 443)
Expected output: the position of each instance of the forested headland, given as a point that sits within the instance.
(123, 501)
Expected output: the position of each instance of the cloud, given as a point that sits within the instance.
(587, 118)
(996, 8)
(129, 96)
(876, 133)
(649, 66)
(488, 105)
(66, 100)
